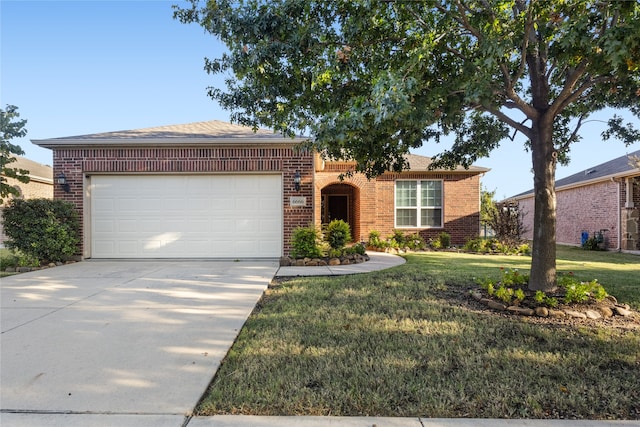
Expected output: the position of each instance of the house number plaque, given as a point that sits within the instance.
(297, 201)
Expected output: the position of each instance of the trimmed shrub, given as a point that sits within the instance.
(443, 241)
(305, 243)
(415, 242)
(375, 242)
(337, 234)
(44, 229)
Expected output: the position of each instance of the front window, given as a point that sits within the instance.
(419, 204)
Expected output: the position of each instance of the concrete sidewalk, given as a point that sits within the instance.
(158, 420)
(377, 261)
(244, 421)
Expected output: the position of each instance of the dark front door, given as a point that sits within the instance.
(338, 208)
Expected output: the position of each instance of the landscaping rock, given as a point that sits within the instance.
(285, 261)
(51, 264)
(334, 261)
(575, 314)
(621, 311)
(23, 269)
(322, 263)
(557, 313)
(299, 263)
(496, 305)
(605, 311)
(476, 296)
(542, 311)
(10, 269)
(592, 314)
(523, 311)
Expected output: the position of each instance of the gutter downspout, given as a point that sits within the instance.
(619, 248)
(619, 216)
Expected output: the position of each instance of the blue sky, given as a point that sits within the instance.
(78, 67)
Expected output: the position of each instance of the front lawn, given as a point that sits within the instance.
(409, 342)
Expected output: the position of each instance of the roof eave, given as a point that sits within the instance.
(626, 174)
(164, 142)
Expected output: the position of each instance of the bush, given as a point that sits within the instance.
(591, 244)
(337, 234)
(44, 229)
(580, 292)
(375, 242)
(358, 249)
(415, 242)
(305, 243)
(9, 259)
(399, 237)
(506, 220)
(493, 246)
(443, 241)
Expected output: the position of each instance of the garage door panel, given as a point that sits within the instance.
(181, 216)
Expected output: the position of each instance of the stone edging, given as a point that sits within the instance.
(286, 261)
(614, 309)
(42, 267)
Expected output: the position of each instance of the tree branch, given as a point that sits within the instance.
(569, 85)
(516, 102)
(578, 92)
(564, 147)
(465, 22)
(509, 121)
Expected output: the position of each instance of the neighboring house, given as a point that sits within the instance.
(217, 190)
(40, 184)
(605, 197)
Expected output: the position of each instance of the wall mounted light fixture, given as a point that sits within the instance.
(62, 181)
(296, 180)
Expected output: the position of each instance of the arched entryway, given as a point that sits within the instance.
(341, 201)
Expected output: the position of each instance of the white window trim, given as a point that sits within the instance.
(418, 203)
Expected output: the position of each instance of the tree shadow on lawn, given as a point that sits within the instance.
(402, 343)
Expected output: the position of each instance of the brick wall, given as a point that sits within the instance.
(375, 202)
(76, 163)
(590, 208)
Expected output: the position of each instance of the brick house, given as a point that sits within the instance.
(602, 197)
(416, 200)
(217, 190)
(40, 185)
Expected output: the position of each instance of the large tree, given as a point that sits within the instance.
(10, 128)
(370, 80)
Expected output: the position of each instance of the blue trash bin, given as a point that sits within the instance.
(585, 237)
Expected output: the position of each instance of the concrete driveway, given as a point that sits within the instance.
(121, 337)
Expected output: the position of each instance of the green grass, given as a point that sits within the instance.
(406, 342)
(7, 259)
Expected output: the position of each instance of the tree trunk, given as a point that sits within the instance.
(543, 260)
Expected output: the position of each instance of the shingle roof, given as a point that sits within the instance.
(198, 132)
(422, 163)
(618, 167)
(37, 171)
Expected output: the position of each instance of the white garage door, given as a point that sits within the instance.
(186, 216)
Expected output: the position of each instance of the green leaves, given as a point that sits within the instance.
(47, 230)
(370, 80)
(10, 128)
